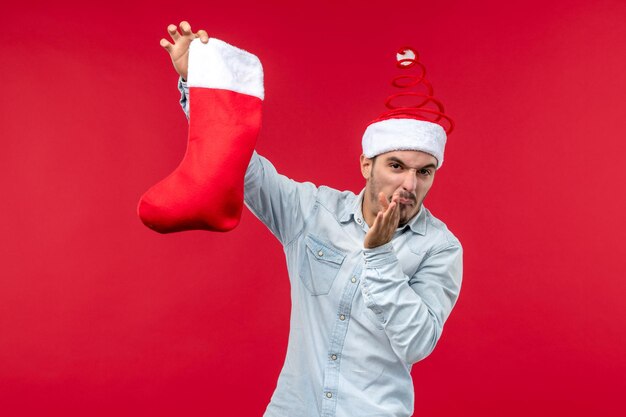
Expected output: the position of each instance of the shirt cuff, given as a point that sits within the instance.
(379, 256)
(182, 84)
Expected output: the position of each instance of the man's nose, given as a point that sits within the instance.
(410, 180)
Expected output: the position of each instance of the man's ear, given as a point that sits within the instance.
(366, 166)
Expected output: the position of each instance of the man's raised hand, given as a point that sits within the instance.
(385, 223)
(179, 50)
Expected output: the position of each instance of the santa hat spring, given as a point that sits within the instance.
(420, 126)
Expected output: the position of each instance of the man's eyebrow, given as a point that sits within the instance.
(401, 162)
(395, 159)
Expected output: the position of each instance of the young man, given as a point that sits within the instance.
(373, 276)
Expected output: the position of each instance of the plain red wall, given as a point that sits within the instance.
(101, 316)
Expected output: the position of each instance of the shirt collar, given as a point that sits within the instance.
(353, 211)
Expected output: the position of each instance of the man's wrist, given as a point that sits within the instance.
(369, 245)
(380, 255)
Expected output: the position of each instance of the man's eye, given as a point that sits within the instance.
(425, 172)
(395, 166)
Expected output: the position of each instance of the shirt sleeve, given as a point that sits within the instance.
(281, 203)
(413, 309)
(184, 93)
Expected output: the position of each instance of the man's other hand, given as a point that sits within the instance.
(179, 50)
(385, 223)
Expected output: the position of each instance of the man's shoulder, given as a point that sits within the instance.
(438, 232)
(335, 201)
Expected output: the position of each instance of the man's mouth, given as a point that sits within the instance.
(407, 199)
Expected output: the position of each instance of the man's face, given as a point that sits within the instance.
(408, 173)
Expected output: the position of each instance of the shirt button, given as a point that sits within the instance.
(353, 279)
(342, 317)
(320, 253)
(329, 395)
(359, 221)
(333, 357)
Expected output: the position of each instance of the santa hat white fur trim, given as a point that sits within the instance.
(217, 64)
(404, 135)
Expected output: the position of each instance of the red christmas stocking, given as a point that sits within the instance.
(206, 190)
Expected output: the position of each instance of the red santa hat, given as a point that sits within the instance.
(415, 119)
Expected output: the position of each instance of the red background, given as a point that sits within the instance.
(101, 316)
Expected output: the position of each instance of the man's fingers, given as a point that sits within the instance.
(383, 200)
(165, 44)
(391, 217)
(391, 210)
(172, 30)
(204, 37)
(395, 197)
(384, 217)
(395, 215)
(185, 28)
(377, 221)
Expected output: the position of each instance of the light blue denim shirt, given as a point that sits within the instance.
(360, 317)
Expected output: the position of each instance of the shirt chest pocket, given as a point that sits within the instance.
(319, 265)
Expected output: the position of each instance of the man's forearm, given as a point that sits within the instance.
(412, 313)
